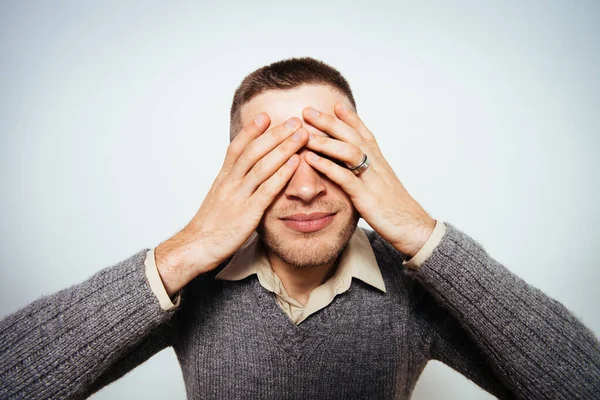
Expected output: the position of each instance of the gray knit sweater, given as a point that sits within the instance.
(232, 341)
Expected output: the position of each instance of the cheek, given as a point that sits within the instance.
(270, 211)
(337, 192)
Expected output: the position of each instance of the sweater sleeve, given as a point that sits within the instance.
(72, 343)
(529, 342)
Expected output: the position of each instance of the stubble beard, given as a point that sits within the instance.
(312, 249)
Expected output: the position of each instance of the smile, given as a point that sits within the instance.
(308, 222)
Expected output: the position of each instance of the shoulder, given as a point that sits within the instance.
(390, 264)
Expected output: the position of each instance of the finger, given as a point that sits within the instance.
(262, 145)
(330, 125)
(249, 132)
(339, 175)
(350, 154)
(273, 160)
(351, 118)
(269, 189)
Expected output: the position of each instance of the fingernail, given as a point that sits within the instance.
(259, 119)
(343, 107)
(312, 156)
(297, 136)
(291, 123)
(291, 161)
(312, 112)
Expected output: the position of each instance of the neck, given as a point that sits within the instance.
(299, 282)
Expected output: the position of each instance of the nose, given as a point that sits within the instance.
(306, 184)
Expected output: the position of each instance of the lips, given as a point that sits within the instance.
(308, 222)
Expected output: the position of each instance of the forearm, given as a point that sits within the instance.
(60, 344)
(534, 341)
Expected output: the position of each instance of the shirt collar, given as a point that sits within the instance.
(357, 261)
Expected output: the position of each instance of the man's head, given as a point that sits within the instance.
(285, 75)
(283, 90)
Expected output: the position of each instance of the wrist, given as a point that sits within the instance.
(177, 263)
(415, 237)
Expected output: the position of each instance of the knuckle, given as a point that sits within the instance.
(247, 130)
(276, 134)
(251, 150)
(271, 136)
(281, 173)
(263, 190)
(346, 178)
(275, 178)
(282, 131)
(283, 149)
(367, 133)
(235, 147)
(259, 169)
(340, 148)
(370, 139)
(328, 120)
(363, 141)
(288, 146)
(318, 139)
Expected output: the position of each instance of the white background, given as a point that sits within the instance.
(114, 121)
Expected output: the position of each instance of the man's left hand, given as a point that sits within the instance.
(377, 193)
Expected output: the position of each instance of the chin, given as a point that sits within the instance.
(308, 249)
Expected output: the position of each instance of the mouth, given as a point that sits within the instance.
(306, 223)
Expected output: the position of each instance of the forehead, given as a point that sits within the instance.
(284, 104)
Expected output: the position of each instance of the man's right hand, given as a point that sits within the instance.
(257, 167)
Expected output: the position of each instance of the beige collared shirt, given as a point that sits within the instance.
(357, 261)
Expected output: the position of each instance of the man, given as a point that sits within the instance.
(271, 291)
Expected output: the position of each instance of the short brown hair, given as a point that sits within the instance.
(282, 75)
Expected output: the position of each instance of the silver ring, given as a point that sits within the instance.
(360, 168)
